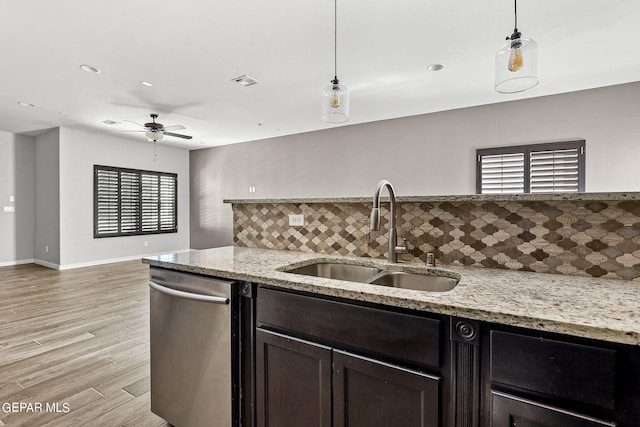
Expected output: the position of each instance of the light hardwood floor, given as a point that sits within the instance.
(79, 338)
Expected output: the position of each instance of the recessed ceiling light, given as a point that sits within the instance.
(62, 113)
(110, 122)
(90, 68)
(245, 80)
(145, 83)
(435, 67)
(26, 104)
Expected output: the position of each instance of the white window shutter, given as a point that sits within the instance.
(554, 171)
(502, 173)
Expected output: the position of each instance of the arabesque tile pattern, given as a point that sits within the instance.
(584, 238)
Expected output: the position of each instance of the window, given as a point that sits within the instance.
(556, 167)
(130, 202)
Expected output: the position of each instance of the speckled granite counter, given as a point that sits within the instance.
(604, 309)
(530, 197)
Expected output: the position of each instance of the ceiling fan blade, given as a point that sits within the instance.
(142, 130)
(174, 127)
(129, 121)
(177, 135)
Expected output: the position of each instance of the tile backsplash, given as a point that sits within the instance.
(596, 238)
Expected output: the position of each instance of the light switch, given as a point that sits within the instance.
(12, 199)
(9, 208)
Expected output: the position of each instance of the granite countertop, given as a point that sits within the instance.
(603, 309)
(528, 197)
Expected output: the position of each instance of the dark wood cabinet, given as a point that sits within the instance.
(510, 411)
(298, 380)
(402, 337)
(328, 363)
(564, 370)
(375, 394)
(535, 379)
(293, 382)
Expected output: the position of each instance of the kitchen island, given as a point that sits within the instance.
(502, 348)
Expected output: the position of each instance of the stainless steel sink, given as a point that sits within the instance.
(376, 276)
(419, 282)
(338, 271)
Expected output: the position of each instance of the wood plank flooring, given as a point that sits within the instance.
(77, 340)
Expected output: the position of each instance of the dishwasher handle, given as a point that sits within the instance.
(188, 295)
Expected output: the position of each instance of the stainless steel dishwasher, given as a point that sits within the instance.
(195, 362)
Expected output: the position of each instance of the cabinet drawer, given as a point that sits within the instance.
(565, 370)
(399, 336)
(510, 411)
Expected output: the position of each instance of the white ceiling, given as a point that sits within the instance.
(190, 49)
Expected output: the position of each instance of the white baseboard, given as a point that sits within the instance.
(17, 262)
(83, 264)
(46, 264)
(112, 260)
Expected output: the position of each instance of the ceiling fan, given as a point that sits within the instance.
(155, 131)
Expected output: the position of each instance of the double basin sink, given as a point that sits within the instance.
(376, 276)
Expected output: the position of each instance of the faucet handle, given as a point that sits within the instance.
(404, 248)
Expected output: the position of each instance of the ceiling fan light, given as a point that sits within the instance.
(153, 135)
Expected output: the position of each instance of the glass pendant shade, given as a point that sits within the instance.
(517, 65)
(335, 103)
(154, 136)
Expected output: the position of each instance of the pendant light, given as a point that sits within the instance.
(335, 97)
(516, 62)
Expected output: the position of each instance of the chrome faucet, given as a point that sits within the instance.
(374, 220)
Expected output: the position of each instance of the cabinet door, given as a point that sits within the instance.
(375, 394)
(293, 382)
(510, 411)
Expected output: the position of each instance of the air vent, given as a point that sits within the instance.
(245, 80)
(110, 122)
(90, 69)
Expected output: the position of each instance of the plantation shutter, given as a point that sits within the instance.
(150, 203)
(130, 202)
(555, 170)
(502, 173)
(168, 196)
(107, 183)
(536, 168)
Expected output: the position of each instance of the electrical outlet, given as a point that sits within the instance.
(146, 243)
(46, 249)
(296, 220)
(252, 189)
(9, 208)
(12, 199)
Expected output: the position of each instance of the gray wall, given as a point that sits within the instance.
(79, 151)
(51, 177)
(432, 154)
(47, 201)
(17, 179)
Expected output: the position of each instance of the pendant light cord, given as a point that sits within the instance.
(515, 15)
(335, 38)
